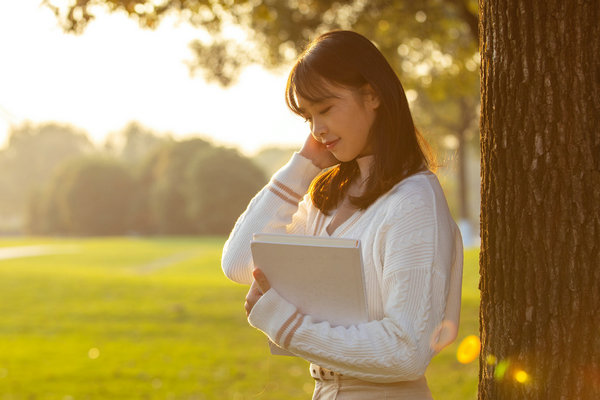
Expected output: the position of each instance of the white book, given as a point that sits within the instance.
(322, 276)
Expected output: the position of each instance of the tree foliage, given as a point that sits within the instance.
(221, 183)
(432, 44)
(133, 143)
(165, 181)
(88, 196)
(270, 159)
(277, 31)
(181, 187)
(32, 153)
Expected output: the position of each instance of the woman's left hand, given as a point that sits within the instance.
(259, 286)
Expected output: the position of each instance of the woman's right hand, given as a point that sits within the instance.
(252, 297)
(259, 286)
(318, 153)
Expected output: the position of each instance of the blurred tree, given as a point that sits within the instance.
(139, 147)
(133, 143)
(41, 217)
(186, 187)
(87, 196)
(540, 253)
(432, 45)
(32, 153)
(220, 184)
(270, 159)
(142, 218)
(163, 180)
(7, 207)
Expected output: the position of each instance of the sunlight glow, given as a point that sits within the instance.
(424, 68)
(471, 65)
(442, 60)
(468, 350)
(491, 359)
(115, 73)
(403, 50)
(383, 25)
(140, 8)
(411, 95)
(521, 376)
(93, 353)
(62, 3)
(501, 370)
(451, 142)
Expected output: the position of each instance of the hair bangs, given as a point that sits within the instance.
(304, 81)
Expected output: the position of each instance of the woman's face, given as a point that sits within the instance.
(342, 121)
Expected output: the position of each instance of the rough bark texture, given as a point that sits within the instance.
(540, 218)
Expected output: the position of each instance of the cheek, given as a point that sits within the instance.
(370, 121)
(366, 125)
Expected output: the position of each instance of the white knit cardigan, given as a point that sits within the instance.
(412, 253)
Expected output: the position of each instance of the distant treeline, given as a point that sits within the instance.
(55, 181)
(59, 183)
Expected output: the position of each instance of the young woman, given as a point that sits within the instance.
(363, 173)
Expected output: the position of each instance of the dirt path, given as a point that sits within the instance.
(7, 253)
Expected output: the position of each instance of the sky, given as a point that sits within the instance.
(117, 72)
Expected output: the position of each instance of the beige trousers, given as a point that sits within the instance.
(339, 387)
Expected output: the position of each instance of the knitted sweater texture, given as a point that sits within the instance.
(412, 255)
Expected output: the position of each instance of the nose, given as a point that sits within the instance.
(318, 129)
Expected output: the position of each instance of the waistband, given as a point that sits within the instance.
(323, 374)
(418, 386)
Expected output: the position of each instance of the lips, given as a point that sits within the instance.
(331, 144)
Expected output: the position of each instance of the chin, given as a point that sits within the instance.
(346, 158)
(341, 158)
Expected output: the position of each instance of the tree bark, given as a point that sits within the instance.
(540, 218)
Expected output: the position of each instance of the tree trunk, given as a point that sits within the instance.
(540, 218)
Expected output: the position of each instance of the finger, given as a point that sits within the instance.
(251, 301)
(253, 296)
(255, 288)
(261, 279)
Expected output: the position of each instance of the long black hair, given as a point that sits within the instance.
(349, 59)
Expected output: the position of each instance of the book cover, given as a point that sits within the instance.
(321, 276)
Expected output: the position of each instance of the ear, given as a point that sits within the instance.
(370, 96)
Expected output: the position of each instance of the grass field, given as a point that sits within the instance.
(154, 318)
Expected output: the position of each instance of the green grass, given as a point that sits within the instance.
(154, 318)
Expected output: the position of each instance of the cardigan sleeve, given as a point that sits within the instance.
(279, 207)
(414, 289)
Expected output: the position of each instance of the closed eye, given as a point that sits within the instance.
(308, 118)
(324, 111)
